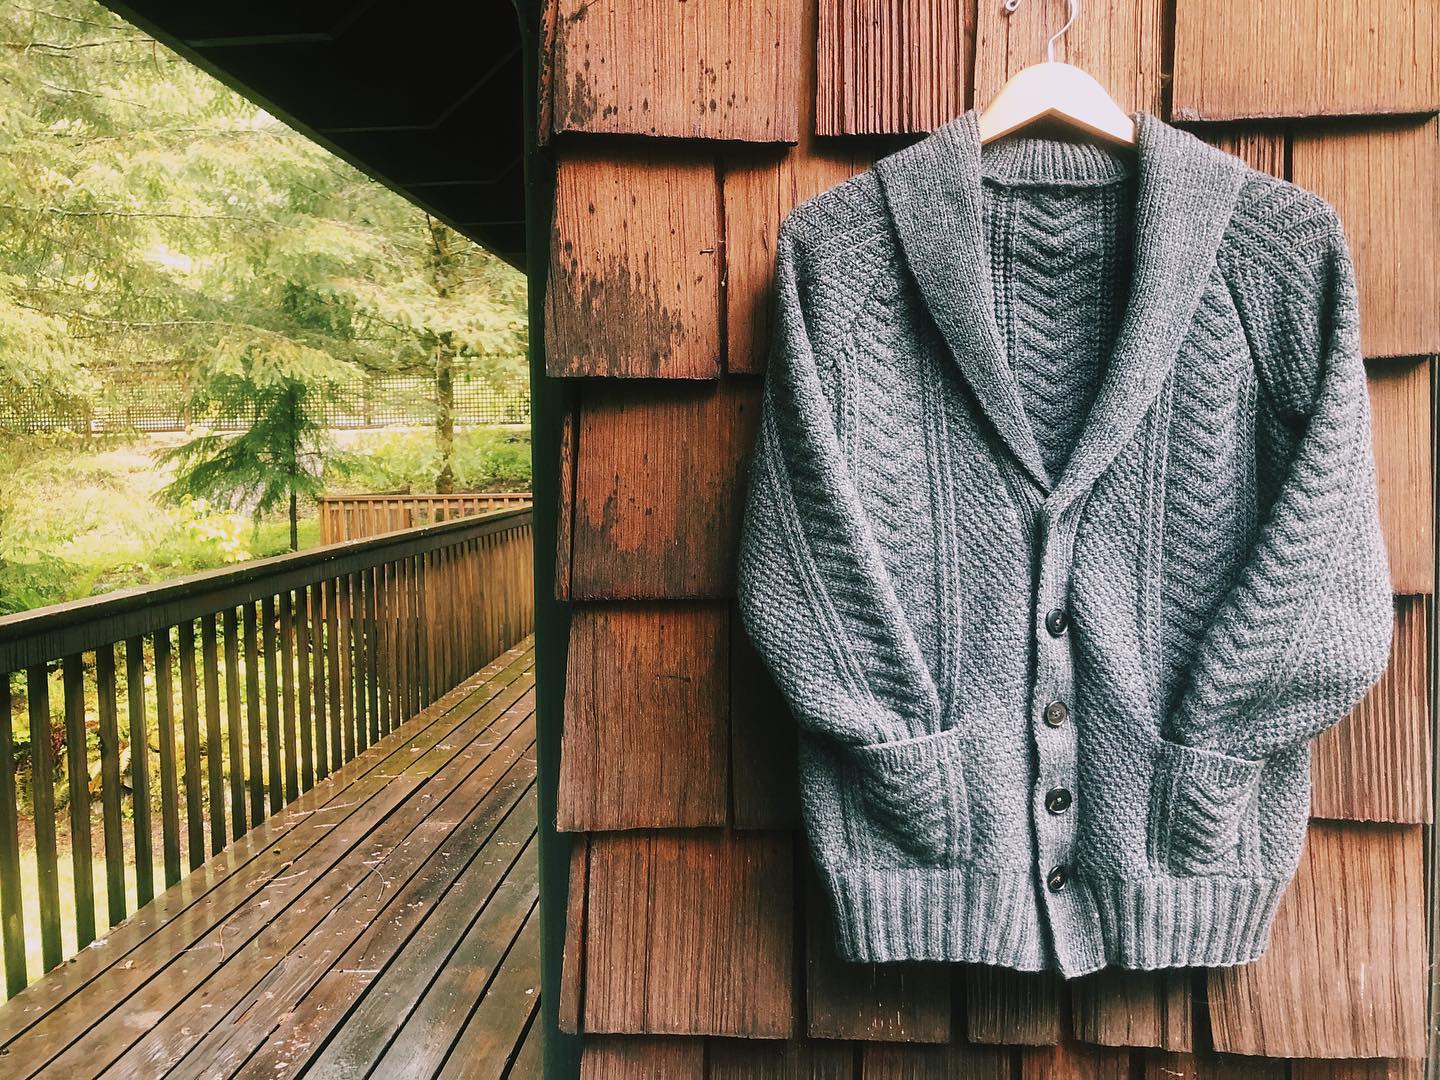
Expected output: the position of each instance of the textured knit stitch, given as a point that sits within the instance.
(1044, 379)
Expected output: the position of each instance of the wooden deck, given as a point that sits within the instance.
(385, 924)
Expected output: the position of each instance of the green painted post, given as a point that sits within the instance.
(550, 401)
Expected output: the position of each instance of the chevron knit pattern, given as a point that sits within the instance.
(1059, 265)
(1061, 541)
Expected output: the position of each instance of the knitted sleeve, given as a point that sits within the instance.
(813, 593)
(1305, 631)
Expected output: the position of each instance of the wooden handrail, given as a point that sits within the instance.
(29, 637)
(350, 516)
(251, 684)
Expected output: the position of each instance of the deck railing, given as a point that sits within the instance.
(351, 517)
(231, 691)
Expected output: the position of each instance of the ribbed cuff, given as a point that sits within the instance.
(957, 915)
(884, 915)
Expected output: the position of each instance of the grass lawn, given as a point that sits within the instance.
(80, 516)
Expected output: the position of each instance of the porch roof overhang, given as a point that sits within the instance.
(427, 98)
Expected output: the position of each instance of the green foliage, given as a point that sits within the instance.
(150, 215)
(278, 455)
(81, 518)
(486, 459)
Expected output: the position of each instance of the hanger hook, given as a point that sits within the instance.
(1012, 5)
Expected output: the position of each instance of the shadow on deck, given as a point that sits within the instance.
(385, 924)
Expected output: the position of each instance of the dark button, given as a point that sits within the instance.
(1057, 621)
(1057, 800)
(1057, 877)
(1056, 713)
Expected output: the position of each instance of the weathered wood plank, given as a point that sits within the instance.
(572, 959)
(1311, 58)
(634, 282)
(646, 706)
(1374, 765)
(891, 66)
(1071, 1060)
(1116, 1007)
(1005, 1006)
(1350, 940)
(565, 508)
(1161, 1065)
(657, 488)
(907, 1002)
(709, 69)
(1120, 42)
(764, 782)
(760, 188)
(790, 1059)
(709, 952)
(1260, 149)
(953, 1061)
(1400, 430)
(1382, 177)
(505, 1012)
(1363, 1069)
(623, 1057)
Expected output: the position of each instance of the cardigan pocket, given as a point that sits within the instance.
(1200, 807)
(916, 799)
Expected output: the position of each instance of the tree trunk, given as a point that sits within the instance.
(443, 262)
(294, 469)
(445, 418)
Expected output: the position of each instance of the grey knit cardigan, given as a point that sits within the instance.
(1061, 541)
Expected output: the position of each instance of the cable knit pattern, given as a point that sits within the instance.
(1061, 540)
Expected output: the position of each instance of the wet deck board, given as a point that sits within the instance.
(383, 924)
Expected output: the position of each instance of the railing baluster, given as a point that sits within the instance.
(287, 695)
(357, 660)
(77, 772)
(347, 673)
(139, 737)
(424, 611)
(272, 703)
(372, 651)
(300, 626)
(42, 772)
(214, 756)
(190, 733)
(12, 904)
(169, 780)
(106, 695)
(252, 713)
(334, 679)
(234, 728)
(316, 604)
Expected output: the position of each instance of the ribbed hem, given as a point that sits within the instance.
(967, 915)
(1020, 159)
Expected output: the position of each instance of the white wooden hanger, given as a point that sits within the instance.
(1056, 91)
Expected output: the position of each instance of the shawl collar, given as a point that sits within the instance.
(1185, 194)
